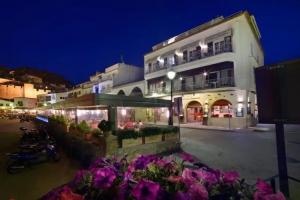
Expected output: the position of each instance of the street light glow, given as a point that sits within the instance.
(171, 75)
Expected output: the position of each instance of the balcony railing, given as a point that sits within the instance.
(207, 84)
(195, 56)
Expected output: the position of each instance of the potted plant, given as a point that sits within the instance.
(105, 127)
(84, 128)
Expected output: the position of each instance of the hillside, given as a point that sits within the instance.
(48, 77)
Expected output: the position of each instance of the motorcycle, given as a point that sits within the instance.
(31, 156)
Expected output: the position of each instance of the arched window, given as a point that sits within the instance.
(194, 112)
(221, 108)
(137, 92)
(121, 93)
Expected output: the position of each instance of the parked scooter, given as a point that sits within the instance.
(30, 156)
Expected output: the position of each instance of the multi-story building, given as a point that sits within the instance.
(9, 89)
(214, 64)
(116, 75)
(51, 98)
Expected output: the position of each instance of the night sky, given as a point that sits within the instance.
(78, 38)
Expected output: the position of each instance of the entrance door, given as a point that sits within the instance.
(194, 112)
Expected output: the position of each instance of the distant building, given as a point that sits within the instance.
(51, 98)
(25, 103)
(105, 82)
(6, 104)
(23, 95)
(10, 89)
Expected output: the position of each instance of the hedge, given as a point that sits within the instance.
(73, 146)
(144, 132)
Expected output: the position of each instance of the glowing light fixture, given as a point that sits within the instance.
(123, 112)
(205, 73)
(171, 75)
(181, 78)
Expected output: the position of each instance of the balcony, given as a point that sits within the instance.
(207, 84)
(194, 57)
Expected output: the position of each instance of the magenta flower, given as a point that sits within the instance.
(181, 196)
(146, 190)
(174, 179)
(189, 176)
(230, 177)
(197, 192)
(123, 191)
(103, 178)
(142, 162)
(187, 157)
(263, 187)
(277, 196)
(206, 176)
(81, 176)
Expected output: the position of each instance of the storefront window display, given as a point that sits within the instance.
(222, 109)
(92, 116)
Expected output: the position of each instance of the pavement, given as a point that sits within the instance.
(251, 153)
(34, 181)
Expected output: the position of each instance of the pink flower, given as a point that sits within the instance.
(103, 178)
(263, 187)
(146, 190)
(197, 192)
(187, 157)
(277, 196)
(189, 176)
(181, 196)
(206, 176)
(230, 177)
(174, 179)
(68, 194)
(265, 192)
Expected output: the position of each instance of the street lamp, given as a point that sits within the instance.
(171, 75)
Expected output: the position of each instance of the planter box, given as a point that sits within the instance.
(153, 138)
(171, 136)
(131, 142)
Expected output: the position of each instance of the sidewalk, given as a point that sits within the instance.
(199, 126)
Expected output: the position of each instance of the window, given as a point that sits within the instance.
(227, 45)
(149, 67)
(191, 56)
(157, 65)
(217, 47)
(198, 52)
(185, 56)
(175, 59)
(221, 46)
(210, 50)
(171, 61)
(1, 104)
(165, 61)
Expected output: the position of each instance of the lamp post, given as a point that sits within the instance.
(171, 75)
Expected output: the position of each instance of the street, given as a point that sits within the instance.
(252, 154)
(32, 182)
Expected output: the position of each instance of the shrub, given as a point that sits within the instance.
(96, 133)
(83, 127)
(104, 126)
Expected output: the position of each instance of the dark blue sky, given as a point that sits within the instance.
(77, 38)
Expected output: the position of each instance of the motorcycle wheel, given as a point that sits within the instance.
(14, 168)
(55, 157)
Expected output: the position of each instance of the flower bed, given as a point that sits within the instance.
(155, 178)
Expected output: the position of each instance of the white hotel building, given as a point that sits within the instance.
(214, 65)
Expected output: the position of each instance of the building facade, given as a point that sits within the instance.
(9, 89)
(214, 65)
